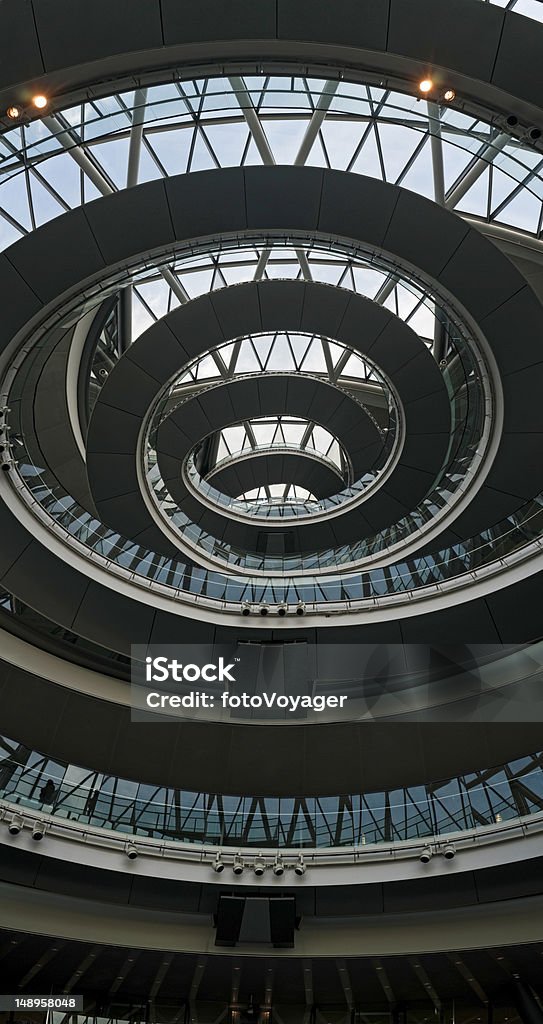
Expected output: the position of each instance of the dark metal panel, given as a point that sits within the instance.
(14, 539)
(18, 301)
(520, 314)
(164, 358)
(469, 623)
(487, 509)
(523, 411)
(353, 206)
(141, 221)
(115, 476)
(113, 432)
(426, 415)
(480, 275)
(519, 53)
(420, 377)
(427, 893)
(57, 256)
(436, 237)
(207, 202)
(130, 392)
(20, 56)
(238, 310)
(516, 610)
(83, 32)
(463, 36)
(222, 19)
(519, 467)
(347, 22)
(281, 302)
(108, 618)
(283, 197)
(47, 582)
(408, 484)
(324, 309)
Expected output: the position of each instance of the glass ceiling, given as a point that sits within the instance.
(67, 158)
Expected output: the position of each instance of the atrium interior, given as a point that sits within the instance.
(271, 479)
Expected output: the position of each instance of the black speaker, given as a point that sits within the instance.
(282, 922)
(229, 918)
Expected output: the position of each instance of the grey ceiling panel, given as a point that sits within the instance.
(106, 617)
(518, 55)
(115, 478)
(105, 29)
(495, 281)
(469, 623)
(135, 392)
(347, 22)
(437, 235)
(353, 206)
(230, 19)
(373, 322)
(443, 37)
(490, 508)
(407, 485)
(164, 359)
(418, 378)
(516, 610)
(142, 221)
(17, 300)
(323, 310)
(195, 326)
(14, 539)
(281, 303)
(238, 311)
(283, 197)
(201, 205)
(20, 56)
(518, 315)
(519, 468)
(523, 411)
(426, 415)
(58, 256)
(116, 433)
(47, 582)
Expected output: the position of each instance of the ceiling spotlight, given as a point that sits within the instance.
(14, 112)
(218, 864)
(264, 608)
(300, 608)
(245, 609)
(238, 865)
(282, 609)
(426, 855)
(299, 866)
(511, 121)
(259, 865)
(39, 101)
(426, 85)
(16, 825)
(449, 95)
(278, 866)
(534, 134)
(449, 851)
(131, 851)
(38, 831)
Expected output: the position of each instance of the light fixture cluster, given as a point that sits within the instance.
(448, 851)
(6, 449)
(427, 87)
(17, 113)
(276, 609)
(260, 865)
(16, 825)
